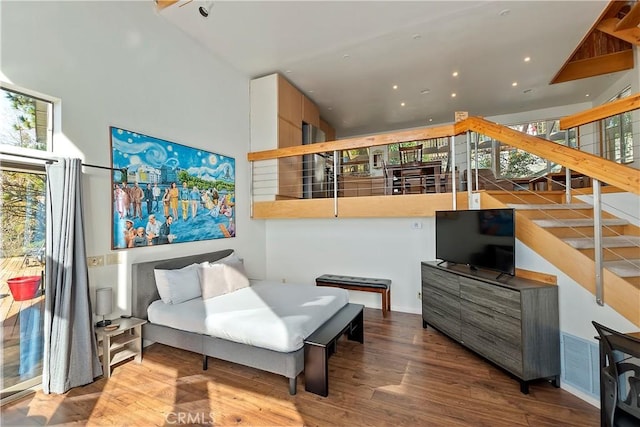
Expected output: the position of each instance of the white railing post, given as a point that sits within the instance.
(597, 241)
(452, 161)
(567, 171)
(469, 176)
(335, 182)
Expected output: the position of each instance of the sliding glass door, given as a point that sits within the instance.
(22, 285)
(25, 130)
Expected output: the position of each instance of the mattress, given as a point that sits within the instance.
(271, 315)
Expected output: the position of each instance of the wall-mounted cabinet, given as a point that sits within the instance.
(310, 112)
(278, 110)
(289, 102)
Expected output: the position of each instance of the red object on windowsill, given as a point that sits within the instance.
(24, 288)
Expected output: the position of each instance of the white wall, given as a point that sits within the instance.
(121, 64)
(301, 250)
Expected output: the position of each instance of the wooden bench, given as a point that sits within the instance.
(323, 343)
(366, 284)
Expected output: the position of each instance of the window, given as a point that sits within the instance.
(27, 121)
(618, 134)
(510, 162)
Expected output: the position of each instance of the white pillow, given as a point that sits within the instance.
(234, 261)
(212, 280)
(235, 276)
(222, 276)
(176, 286)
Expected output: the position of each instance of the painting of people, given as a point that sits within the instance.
(168, 193)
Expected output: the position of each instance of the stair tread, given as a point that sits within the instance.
(607, 242)
(550, 206)
(577, 222)
(624, 267)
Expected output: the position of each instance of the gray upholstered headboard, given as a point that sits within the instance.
(143, 280)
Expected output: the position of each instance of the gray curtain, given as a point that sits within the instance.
(70, 352)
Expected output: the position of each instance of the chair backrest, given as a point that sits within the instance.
(621, 373)
(410, 156)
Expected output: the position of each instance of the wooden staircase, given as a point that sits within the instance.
(563, 233)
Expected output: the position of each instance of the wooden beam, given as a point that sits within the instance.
(352, 143)
(631, 19)
(623, 177)
(410, 205)
(631, 35)
(596, 66)
(601, 112)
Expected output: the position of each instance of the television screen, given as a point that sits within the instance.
(483, 238)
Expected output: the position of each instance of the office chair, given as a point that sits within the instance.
(619, 378)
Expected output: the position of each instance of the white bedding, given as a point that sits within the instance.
(272, 315)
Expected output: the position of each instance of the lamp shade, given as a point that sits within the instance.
(104, 300)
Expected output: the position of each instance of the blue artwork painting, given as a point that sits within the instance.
(167, 193)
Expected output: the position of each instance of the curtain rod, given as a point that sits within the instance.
(26, 156)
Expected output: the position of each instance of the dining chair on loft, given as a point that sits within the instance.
(412, 169)
(619, 378)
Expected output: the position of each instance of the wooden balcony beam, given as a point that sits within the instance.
(601, 112)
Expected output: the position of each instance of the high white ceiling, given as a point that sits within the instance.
(346, 56)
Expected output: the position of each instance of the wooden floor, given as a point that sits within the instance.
(402, 375)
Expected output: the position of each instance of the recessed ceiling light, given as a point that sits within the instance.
(425, 91)
(514, 84)
(395, 86)
(417, 36)
(455, 74)
(430, 119)
(504, 12)
(346, 56)
(288, 71)
(453, 95)
(527, 58)
(587, 95)
(402, 104)
(329, 108)
(527, 91)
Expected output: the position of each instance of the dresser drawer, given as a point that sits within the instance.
(499, 351)
(502, 300)
(435, 298)
(498, 324)
(434, 278)
(442, 321)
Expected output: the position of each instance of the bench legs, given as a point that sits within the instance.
(385, 294)
(316, 368)
(386, 302)
(316, 357)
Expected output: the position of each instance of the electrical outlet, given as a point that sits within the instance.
(416, 225)
(114, 259)
(95, 261)
(419, 295)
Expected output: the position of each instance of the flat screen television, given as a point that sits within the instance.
(483, 238)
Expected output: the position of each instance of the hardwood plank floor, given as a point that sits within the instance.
(403, 375)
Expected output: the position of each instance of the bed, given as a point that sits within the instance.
(280, 356)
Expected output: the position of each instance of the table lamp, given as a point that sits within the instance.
(103, 305)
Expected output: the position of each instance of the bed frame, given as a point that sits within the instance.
(145, 292)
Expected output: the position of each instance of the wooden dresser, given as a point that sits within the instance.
(512, 322)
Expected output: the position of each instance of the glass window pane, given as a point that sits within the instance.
(26, 121)
(22, 222)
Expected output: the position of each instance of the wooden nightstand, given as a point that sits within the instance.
(120, 344)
